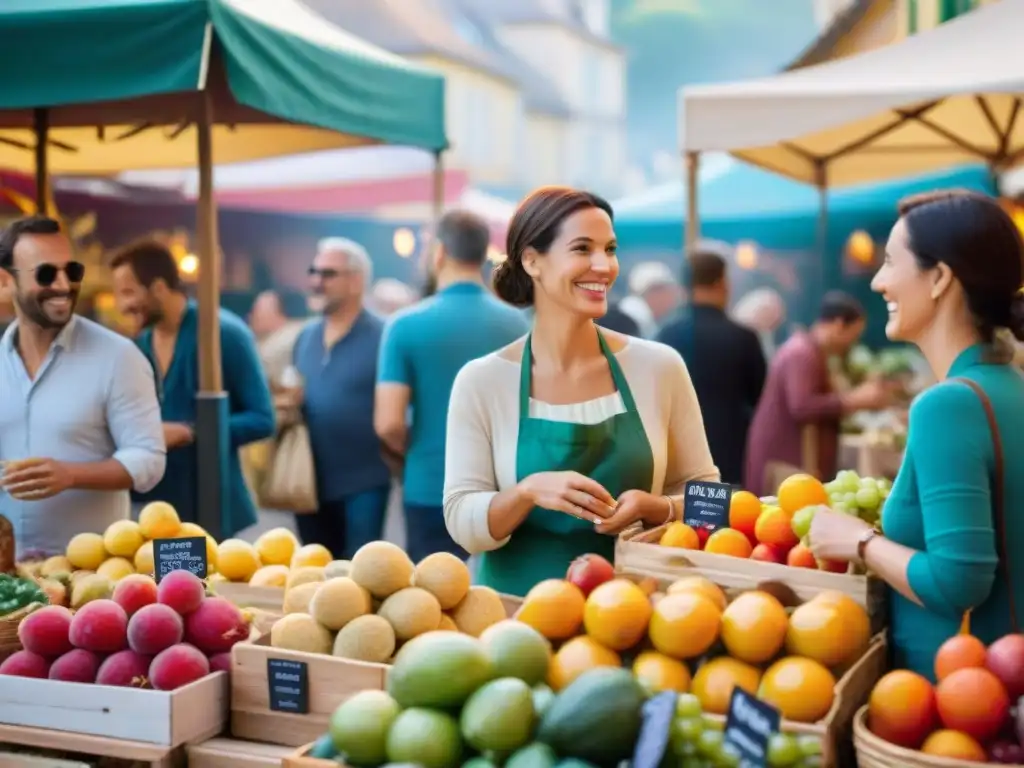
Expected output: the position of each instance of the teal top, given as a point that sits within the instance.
(941, 506)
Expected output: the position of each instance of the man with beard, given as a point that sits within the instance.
(337, 359)
(148, 289)
(79, 417)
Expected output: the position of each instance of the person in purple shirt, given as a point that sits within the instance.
(797, 419)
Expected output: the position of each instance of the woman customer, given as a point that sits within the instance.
(562, 439)
(951, 281)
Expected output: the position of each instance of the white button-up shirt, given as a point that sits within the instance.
(94, 398)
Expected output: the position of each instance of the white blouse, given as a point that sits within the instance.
(483, 431)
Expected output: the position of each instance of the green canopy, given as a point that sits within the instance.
(118, 78)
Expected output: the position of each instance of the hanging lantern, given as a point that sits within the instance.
(746, 255)
(404, 242)
(860, 248)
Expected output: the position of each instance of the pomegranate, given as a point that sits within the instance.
(589, 572)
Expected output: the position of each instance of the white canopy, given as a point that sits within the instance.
(946, 96)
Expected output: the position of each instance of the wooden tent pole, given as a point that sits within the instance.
(691, 225)
(212, 441)
(41, 127)
(821, 182)
(438, 188)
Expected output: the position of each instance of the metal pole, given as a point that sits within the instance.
(691, 225)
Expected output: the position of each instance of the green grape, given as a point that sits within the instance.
(694, 762)
(783, 751)
(689, 728)
(884, 484)
(868, 498)
(870, 516)
(728, 757)
(868, 482)
(713, 725)
(809, 745)
(850, 500)
(710, 743)
(835, 498)
(802, 520)
(841, 508)
(811, 761)
(688, 705)
(833, 487)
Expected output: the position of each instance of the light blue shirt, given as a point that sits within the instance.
(94, 398)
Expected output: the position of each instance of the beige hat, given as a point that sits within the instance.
(650, 274)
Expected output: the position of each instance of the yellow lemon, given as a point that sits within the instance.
(270, 576)
(237, 560)
(276, 546)
(86, 551)
(159, 520)
(123, 538)
(144, 559)
(116, 568)
(316, 555)
(191, 530)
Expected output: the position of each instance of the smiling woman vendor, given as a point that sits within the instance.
(562, 439)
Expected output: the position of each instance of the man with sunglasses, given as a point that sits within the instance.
(79, 416)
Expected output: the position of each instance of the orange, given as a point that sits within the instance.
(959, 652)
(744, 509)
(902, 709)
(727, 541)
(715, 680)
(801, 689)
(554, 607)
(657, 673)
(616, 614)
(801, 557)
(799, 491)
(680, 536)
(775, 527)
(832, 633)
(701, 586)
(754, 627)
(955, 745)
(973, 701)
(576, 657)
(685, 625)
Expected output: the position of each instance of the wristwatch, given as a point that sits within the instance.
(864, 540)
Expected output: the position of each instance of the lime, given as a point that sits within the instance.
(783, 751)
(424, 737)
(517, 650)
(359, 727)
(499, 715)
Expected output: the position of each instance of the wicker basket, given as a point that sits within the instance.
(873, 752)
(9, 641)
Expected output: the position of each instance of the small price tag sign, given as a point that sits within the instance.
(658, 713)
(289, 686)
(188, 554)
(706, 505)
(749, 725)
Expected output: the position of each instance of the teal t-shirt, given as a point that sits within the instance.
(424, 347)
(941, 506)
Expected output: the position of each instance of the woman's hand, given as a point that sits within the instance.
(633, 506)
(835, 536)
(571, 493)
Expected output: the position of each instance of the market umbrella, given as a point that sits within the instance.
(103, 86)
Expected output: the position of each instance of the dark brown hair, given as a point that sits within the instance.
(150, 260)
(972, 235)
(705, 268)
(839, 305)
(535, 224)
(27, 225)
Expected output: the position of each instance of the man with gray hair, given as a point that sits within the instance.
(654, 294)
(337, 359)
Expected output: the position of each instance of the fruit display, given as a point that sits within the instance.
(270, 560)
(380, 601)
(142, 636)
(18, 593)
(972, 712)
(859, 496)
(693, 639)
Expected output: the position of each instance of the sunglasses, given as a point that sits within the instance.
(46, 274)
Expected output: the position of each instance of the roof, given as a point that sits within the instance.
(841, 25)
(943, 97)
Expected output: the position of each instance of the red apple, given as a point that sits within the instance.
(1005, 660)
(833, 566)
(766, 553)
(801, 557)
(703, 534)
(589, 572)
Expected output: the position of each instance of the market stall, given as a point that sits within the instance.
(120, 85)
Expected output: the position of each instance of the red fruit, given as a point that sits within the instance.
(767, 553)
(215, 626)
(100, 626)
(46, 631)
(801, 557)
(589, 572)
(221, 662)
(833, 566)
(973, 701)
(135, 591)
(1005, 660)
(177, 666)
(703, 534)
(126, 669)
(76, 666)
(182, 590)
(902, 709)
(154, 628)
(25, 664)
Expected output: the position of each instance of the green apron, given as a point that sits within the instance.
(616, 453)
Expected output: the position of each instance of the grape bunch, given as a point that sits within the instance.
(699, 742)
(860, 496)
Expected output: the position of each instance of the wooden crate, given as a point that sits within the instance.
(168, 719)
(638, 555)
(331, 681)
(852, 692)
(300, 759)
(270, 599)
(229, 753)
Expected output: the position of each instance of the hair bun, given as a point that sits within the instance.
(512, 284)
(1016, 324)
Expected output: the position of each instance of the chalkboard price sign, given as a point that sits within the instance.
(289, 686)
(706, 505)
(749, 725)
(653, 741)
(188, 554)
